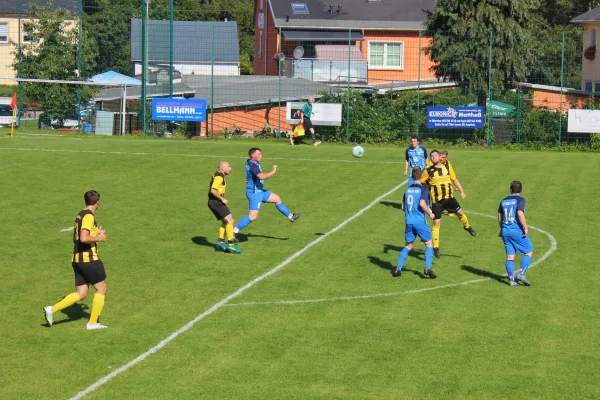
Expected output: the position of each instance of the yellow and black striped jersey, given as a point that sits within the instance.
(84, 252)
(439, 180)
(217, 182)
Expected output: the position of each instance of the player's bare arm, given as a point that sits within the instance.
(459, 188)
(215, 193)
(86, 238)
(426, 209)
(267, 175)
(405, 168)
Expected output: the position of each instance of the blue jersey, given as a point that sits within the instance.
(412, 210)
(508, 208)
(416, 157)
(253, 183)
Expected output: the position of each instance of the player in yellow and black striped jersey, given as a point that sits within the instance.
(440, 177)
(87, 266)
(217, 203)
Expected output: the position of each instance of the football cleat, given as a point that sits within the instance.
(521, 279)
(397, 272)
(428, 272)
(93, 327)
(221, 245)
(294, 217)
(513, 284)
(232, 248)
(470, 230)
(48, 315)
(436, 252)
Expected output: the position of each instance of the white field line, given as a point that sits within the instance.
(552, 249)
(67, 229)
(223, 302)
(120, 153)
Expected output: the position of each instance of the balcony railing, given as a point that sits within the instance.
(320, 70)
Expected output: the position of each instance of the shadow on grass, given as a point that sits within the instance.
(390, 267)
(240, 235)
(74, 313)
(419, 254)
(202, 241)
(480, 272)
(391, 204)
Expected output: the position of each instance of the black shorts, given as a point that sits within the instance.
(307, 124)
(89, 272)
(450, 205)
(218, 208)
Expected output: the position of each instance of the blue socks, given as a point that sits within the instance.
(282, 209)
(402, 258)
(510, 269)
(428, 257)
(525, 263)
(244, 222)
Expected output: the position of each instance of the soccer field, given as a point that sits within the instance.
(308, 310)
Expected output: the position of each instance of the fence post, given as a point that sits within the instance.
(212, 85)
(171, 16)
(489, 100)
(418, 116)
(519, 110)
(79, 55)
(348, 87)
(19, 64)
(562, 82)
(144, 17)
(279, 86)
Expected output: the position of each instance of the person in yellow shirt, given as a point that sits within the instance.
(87, 266)
(217, 203)
(440, 177)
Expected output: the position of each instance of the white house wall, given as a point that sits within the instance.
(187, 69)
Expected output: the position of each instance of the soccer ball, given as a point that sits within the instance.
(358, 151)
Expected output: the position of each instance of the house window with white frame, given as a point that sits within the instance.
(3, 32)
(386, 55)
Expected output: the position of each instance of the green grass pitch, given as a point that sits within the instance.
(330, 323)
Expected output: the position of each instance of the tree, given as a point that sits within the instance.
(461, 42)
(52, 54)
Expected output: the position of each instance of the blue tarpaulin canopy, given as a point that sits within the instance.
(115, 78)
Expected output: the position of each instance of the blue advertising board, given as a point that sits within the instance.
(455, 117)
(171, 109)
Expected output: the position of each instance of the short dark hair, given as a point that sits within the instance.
(91, 197)
(414, 137)
(417, 173)
(433, 151)
(516, 187)
(252, 151)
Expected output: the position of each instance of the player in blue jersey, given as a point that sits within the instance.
(256, 192)
(416, 156)
(415, 208)
(515, 234)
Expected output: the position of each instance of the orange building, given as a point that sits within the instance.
(366, 42)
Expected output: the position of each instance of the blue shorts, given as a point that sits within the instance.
(255, 199)
(516, 243)
(421, 230)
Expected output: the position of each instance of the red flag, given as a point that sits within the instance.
(13, 102)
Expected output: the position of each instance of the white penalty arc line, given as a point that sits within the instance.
(137, 153)
(552, 249)
(67, 229)
(223, 302)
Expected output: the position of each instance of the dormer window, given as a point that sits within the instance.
(300, 8)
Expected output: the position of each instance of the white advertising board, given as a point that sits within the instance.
(329, 114)
(585, 121)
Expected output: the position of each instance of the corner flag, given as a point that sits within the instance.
(13, 102)
(13, 105)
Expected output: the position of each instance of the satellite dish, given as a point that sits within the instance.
(298, 52)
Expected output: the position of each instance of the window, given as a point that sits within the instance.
(3, 32)
(588, 86)
(260, 45)
(300, 8)
(597, 91)
(386, 55)
(593, 37)
(261, 4)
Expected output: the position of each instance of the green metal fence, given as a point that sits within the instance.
(248, 70)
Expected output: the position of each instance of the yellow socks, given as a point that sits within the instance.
(435, 233)
(465, 221)
(97, 305)
(229, 230)
(69, 300)
(222, 231)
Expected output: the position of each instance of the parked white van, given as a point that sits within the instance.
(6, 112)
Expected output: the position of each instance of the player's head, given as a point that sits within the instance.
(417, 173)
(224, 167)
(516, 187)
(435, 156)
(414, 140)
(311, 100)
(255, 154)
(91, 198)
(443, 155)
